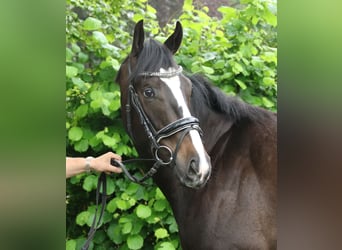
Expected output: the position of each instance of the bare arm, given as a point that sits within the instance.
(78, 165)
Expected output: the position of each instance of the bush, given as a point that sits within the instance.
(237, 52)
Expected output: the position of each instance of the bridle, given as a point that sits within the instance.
(183, 125)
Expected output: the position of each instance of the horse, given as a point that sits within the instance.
(216, 154)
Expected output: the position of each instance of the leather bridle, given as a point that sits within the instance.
(183, 125)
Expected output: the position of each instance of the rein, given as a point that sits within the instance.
(102, 182)
(183, 125)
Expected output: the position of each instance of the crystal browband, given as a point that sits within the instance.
(163, 74)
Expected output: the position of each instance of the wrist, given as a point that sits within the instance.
(88, 166)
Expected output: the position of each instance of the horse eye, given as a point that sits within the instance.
(148, 92)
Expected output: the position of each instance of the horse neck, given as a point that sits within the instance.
(215, 127)
(175, 192)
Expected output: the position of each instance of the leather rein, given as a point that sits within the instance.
(183, 125)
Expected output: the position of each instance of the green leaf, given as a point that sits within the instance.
(115, 64)
(137, 17)
(111, 206)
(75, 48)
(161, 233)
(267, 102)
(69, 55)
(125, 219)
(255, 20)
(166, 246)
(79, 83)
(81, 111)
(270, 17)
(100, 37)
(132, 188)
(208, 70)
(121, 204)
(240, 83)
(75, 134)
(137, 226)
(82, 57)
(96, 94)
(96, 104)
(227, 75)
(269, 57)
(219, 64)
(80, 67)
(227, 12)
(135, 242)
(94, 141)
(188, 5)
(100, 237)
(127, 228)
(114, 105)
(143, 211)
(82, 218)
(71, 71)
(114, 233)
(237, 68)
(90, 183)
(70, 245)
(92, 24)
(159, 194)
(268, 81)
(173, 228)
(109, 141)
(149, 8)
(104, 107)
(82, 145)
(160, 205)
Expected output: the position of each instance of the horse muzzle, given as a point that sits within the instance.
(197, 173)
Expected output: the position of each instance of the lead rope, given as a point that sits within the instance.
(102, 181)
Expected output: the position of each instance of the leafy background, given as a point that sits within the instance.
(237, 52)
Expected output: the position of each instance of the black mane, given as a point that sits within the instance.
(234, 108)
(156, 55)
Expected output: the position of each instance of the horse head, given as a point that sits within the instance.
(155, 100)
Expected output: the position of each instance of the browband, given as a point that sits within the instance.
(163, 74)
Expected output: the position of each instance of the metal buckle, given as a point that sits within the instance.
(156, 154)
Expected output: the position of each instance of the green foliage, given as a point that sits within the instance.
(237, 53)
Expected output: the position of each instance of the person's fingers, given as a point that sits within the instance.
(114, 169)
(117, 170)
(115, 156)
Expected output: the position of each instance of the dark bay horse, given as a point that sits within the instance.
(217, 154)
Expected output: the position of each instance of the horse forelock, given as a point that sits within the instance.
(151, 58)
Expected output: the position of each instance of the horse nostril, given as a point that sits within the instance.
(194, 167)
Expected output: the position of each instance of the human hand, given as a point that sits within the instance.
(102, 163)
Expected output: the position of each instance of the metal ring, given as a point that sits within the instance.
(159, 159)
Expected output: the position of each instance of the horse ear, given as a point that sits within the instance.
(138, 38)
(175, 40)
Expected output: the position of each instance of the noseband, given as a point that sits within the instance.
(183, 125)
